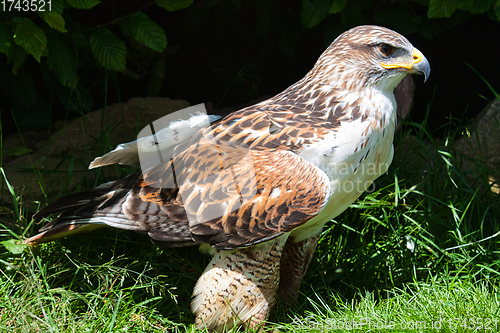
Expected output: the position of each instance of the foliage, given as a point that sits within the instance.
(109, 51)
(64, 51)
(54, 50)
(18, 28)
(315, 11)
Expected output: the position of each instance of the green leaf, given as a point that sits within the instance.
(83, 4)
(62, 61)
(80, 41)
(496, 9)
(30, 37)
(173, 5)
(13, 246)
(17, 56)
(56, 6)
(337, 6)
(314, 11)
(5, 39)
(465, 4)
(481, 6)
(441, 8)
(145, 31)
(54, 20)
(109, 50)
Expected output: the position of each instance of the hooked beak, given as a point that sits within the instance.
(418, 65)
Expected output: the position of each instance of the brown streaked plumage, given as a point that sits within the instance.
(258, 198)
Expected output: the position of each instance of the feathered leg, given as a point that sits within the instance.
(294, 262)
(238, 287)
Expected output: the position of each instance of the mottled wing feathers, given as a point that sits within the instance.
(233, 195)
(288, 192)
(237, 184)
(271, 126)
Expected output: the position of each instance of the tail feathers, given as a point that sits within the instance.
(101, 196)
(86, 211)
(73, 225)
(70, 201)
(115, 205)
(62, 230)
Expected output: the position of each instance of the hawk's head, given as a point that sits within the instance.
(370, 56)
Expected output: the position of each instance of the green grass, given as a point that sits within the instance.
(456, 306)
(423, 248)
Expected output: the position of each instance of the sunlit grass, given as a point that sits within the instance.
(437, 306)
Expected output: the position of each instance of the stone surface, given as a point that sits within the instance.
(483, 146)
(404, 96)
(59, 161)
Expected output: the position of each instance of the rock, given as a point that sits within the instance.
(404, 96)
(60, 161)
(482, 147)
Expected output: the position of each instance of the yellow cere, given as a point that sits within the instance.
(417, 57)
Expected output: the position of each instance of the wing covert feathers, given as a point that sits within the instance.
(226, 194)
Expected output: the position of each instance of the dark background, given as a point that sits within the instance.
(229, 53)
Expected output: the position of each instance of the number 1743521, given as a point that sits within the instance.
(474, 323)
(26, 5)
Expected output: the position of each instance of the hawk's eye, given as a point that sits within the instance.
(386, 49)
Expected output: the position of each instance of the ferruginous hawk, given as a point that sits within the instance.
(310, 150)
